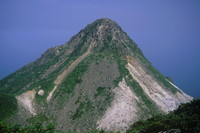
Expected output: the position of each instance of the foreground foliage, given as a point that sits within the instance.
(36, 127)
(186, 118)
(8, 105)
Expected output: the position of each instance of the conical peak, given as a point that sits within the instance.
(105, 21)
(104, 24)
(98, 31)
(102, 28)
(104, 35)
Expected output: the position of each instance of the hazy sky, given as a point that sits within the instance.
(167, 31)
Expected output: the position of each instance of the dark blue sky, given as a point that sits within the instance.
(167, 31)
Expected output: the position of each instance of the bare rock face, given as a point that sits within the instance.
(99, 79)
(41, 92)
(123, 110)
(26, 99)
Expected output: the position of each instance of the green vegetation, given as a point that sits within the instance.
(14, 83)
(135, 49)
(48, 82)
(106, 98)
(36, 127)
(40, 118)
(101, 91)
(186, 118)
(36, 124)
(31, 76)
(74, 78)
(153, 110)
(124, 73)
(122, 69)
(84, 107)
(157, 75)
(161, 78)
(8, 105)
(80, 49)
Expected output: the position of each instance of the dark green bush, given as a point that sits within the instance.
(186, 118)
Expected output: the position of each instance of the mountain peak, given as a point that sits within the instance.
(105, 21)
(103, 27)
(99, 79)
(106, 34)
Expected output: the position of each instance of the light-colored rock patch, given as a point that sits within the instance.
(166, 100)
(123, 111)
(99, 32)
(61, 77)
(181, 95)
(41, 92)
(51, 93)
(26, 99)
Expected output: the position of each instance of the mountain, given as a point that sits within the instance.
(99, 79)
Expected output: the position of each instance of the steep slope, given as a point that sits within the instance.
(99, 79)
